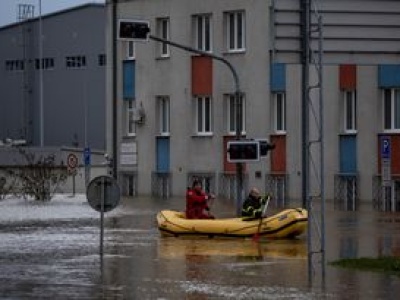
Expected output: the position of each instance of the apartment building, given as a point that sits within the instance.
(341, 75)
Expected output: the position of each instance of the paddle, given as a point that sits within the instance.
(256, 236)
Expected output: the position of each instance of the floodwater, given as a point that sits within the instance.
(52, 251)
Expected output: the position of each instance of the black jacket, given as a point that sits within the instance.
(252, 207)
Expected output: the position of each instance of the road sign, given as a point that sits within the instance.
(385, 161)
(72, 161)
(86, 156)
(103, 193)
(385, 147)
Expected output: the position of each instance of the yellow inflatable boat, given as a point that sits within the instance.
(288, 223)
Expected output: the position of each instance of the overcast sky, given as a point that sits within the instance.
(9, 8)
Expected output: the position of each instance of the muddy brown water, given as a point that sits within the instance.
(46, 258)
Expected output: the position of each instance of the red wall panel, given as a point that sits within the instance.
(202, 75)
(395, 153)
(278, 155)
(348, 77)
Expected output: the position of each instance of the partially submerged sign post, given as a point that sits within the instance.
(386, 173)
(103, 195)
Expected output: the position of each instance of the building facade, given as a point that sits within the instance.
(53, 88)
(176, 109)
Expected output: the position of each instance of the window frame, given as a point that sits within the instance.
(130, 50)
(231, 114)
(164, 116)
(393, 101)
(101, 60)
(75, 62)
(350, 111)
(202, 27)
(235, 32)
(280, 114)
(204, 114)
(130, 111)
(163, 31)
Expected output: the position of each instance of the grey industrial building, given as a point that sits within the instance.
(53, 87)
(175, 110)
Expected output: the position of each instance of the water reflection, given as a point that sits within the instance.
(169, 247)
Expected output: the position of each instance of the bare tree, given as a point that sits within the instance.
(40, 176)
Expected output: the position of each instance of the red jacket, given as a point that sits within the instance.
(196, 204)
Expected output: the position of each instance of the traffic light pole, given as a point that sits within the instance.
(238, 104)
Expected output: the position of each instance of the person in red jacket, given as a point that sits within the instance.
(197, 202)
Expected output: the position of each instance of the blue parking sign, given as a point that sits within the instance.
(385, 147)
(86, 155)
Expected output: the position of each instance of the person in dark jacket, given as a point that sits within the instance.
(197, 202)
(253, 205)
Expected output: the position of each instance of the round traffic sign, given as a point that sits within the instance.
(103, 193)
(72, 161)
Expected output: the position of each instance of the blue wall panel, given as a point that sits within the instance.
(129, 80)
(162, 154)
(278, 77)
(348, 154)
(389, 76)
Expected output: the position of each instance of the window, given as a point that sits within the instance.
(163, 108)
(130, 50)
(202, 34)
(279, 112)
(235, 31)
(129, 185)
(203, 116)
(391, 109)
(15, 65)
(47, 64)
(163, 32)
(232, 116)
(75, 62)
(130, 110)
(102, 59)
(350, 111)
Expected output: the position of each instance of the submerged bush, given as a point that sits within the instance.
(39, 177)
(387, 264)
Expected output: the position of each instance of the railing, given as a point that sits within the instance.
(386, 197)
(161, 184)
(277, 186)
(207, 180)
(346, 194)
(129, 184)
(228, 184)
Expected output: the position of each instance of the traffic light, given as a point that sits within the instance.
(265, 147)
(243, 151)
(133, 30)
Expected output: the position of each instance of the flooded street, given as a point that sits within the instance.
(51, 251)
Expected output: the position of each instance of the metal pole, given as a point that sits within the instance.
(102, 188)
(238, 103)
(41, 98)
(239, 166)
(114, 91)
(321, 113)
(305, 98)
(305, 23)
